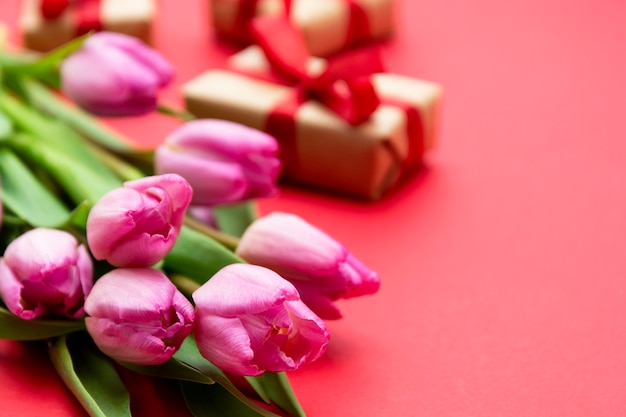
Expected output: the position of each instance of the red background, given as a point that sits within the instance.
(502, 264)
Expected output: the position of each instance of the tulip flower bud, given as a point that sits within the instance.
(115, 75)
(224, 162)
(45, 272)
(138, 316)
(137, 225)
(250, 320)
(321, 268)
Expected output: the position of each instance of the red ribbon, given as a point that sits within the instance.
(86, 13)
(344, 86)
(358, 24)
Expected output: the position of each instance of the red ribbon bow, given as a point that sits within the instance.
(344, 86)
(86, 13)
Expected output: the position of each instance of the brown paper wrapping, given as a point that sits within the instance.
(131, 17)
(363, 160)
(323, 23)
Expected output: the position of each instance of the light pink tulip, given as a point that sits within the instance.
(322, 269)
(224, 162)
(45, 272)
(137, 225)
(250, 320)
(115, 75)
(138, 316)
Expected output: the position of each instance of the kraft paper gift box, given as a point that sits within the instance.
(131, 17)
(328, 26)
(321, 149)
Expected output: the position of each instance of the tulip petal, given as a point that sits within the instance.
(247, 322)
(115, 295)
(224, 341)
(45, 271)
(137, 225)
(244, 289)
(214, 181)
(148, 57)
(127, 344)
(138, 315)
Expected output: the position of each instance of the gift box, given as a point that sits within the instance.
(357, 145)
(327, 25)
(46, 24)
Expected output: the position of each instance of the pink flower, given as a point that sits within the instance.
(224, 162)
(45, 272)
(250, 320)
(115, 75)
(137, 225)
(321, 268)
(138, 316)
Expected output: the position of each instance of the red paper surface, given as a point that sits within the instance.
(503, 269)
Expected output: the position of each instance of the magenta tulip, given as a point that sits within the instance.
(45, 272)
(138, 316)
(224, 162)
(137, 225)
(321, 268)
(250, 320)
(115, 75)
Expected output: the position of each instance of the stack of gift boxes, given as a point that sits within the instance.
(309, 74)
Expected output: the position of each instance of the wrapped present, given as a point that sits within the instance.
(46, 24)
(327, 25)
(349, 127)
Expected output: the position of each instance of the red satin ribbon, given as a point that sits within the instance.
(414, 132)
(86, 13)
(344, 86)
(358, 24)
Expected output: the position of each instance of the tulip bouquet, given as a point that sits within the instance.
(154, 261)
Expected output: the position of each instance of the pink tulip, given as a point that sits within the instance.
(45, 272)
(115, 75)
(138, 316)
(250, 320)
(137, 225)
(322, 269)
(224, 162)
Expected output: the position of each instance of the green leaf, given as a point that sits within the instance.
(56, 135)
(44, 67)
(258, 384)
(91, 376)
(280, 392)
(47, 66)
(198, 256)
(14, 328)
(190, 356)
(6, 126)
(79, 180)
(234, 219)
(25, 196)
(214, 401)
(172, 369)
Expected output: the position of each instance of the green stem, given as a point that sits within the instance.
(122, 168)
(54, 134)
(181, 114)
(78, 180)
(226, 240)
(185, 285)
